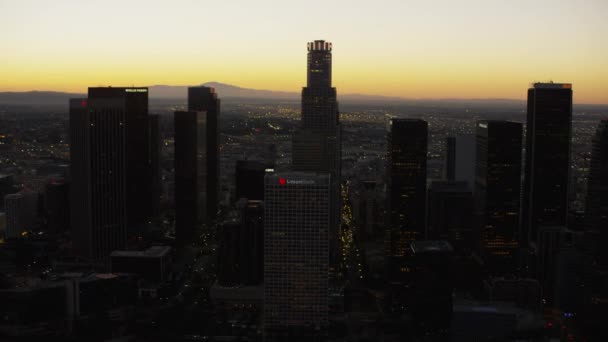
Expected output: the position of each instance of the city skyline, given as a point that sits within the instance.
(402, 49)
(227, 213)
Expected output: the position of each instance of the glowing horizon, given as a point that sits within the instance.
(394, 48)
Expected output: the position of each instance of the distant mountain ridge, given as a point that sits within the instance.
(227, 91)
(181, 92)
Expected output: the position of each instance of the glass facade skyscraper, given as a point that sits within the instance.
(497, 191)
(296, 255)
(547, 161)
(406, 177)
(205, 99)
(111, 169)
(317, 143)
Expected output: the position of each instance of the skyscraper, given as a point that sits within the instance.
(154, 162)
(317, 144)
(205, 99)
(241, 252)
(249, 179)
(460, 159)
(190, 173)
(450, 159)
(99, 176)
(547, 163)
(450, 214)
(497, 191)
(597, 193)
(16, 215)
(112, 156)
(57, 206)
(296, 255)
(406, 177)
(138, 142)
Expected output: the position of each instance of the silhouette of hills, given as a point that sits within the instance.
(228, 91)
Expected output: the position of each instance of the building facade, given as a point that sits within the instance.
(597, 193)
(205, 99)
(190, 174)
(497, 191)
(112, 169)
(547, 161)
(296, 255)
(317, 144)
(406, 182)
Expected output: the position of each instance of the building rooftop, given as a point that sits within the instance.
(551, 85)
(433, 246)
(319, 45)
(152, 252)
(449, 186)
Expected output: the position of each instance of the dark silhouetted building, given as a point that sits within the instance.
(296, 255)
(450, 159)
(431, 288)
(190, 174)
(460, 159)
(548, 245)
(497, 192)
(16, 215)
(450, 214)
(368, 210)
(6, 187)
(111, 146)
(597, 193)
(229, 266)
(317, 143)
(241, 254)
(57, 206)
(152, 264)
(547, 163)
(406, 175)
(250, 179)
(154, 162)
(204, 99)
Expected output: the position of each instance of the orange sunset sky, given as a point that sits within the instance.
(411, 49)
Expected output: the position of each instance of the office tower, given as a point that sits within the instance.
(155, 170)
(571, 266)
(57, 206)
(241, 253)
(450, 159)
(252, 221)
(368, 210)
(406, 175)
(597, 193)
(205, 99)
(296, 254)
(190, 174)
(152, 264)
(229, 268)
(14, 204)
(547, 163)
(110, 147)
(250, 179)
(548, 245)
(497, 191)
(432, 288)
(21, 213)
(132, 103)
(317, 143)
(460, 159)
(6, 187)
(450, 214)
